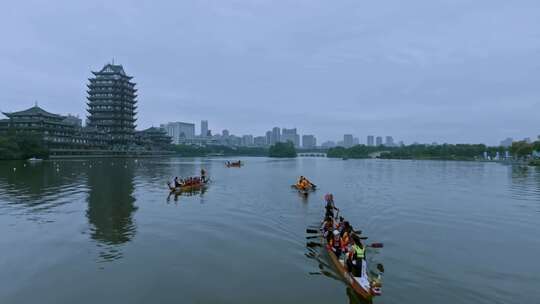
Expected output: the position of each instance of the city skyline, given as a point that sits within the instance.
(452, 82)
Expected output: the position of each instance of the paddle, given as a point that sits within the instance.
(313, 244)
(380, 267)
(376, 245)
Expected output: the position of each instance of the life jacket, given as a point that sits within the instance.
(345, 239)
(357, 251)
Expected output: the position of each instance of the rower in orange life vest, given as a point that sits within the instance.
(356, 256)
(303, 183)
(333, 241)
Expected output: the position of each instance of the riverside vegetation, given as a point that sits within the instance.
(280, 149)
(435, 152)
(22, 146)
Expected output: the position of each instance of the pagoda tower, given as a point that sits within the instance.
(112, 104)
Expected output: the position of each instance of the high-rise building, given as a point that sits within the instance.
(247, 140)
(204, 128)
(290, 135)
(276, 135)
(309, 141)
(355, 141)
(112, 104)
(378, 141)
(347, 140)
(225, 133)
(268, 137)
(507, 142)
(370, 140)
(180, 132)
(259, 141)
(328, 144)
(389, 142)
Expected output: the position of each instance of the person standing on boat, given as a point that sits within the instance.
(203, 175)
(330, 207)
(356, 257)
(176, 183)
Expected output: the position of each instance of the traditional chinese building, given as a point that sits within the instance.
(153, 138)
(56, 131)
(53, 128)
(112, 104)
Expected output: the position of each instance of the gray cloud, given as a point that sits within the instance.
(454, 71)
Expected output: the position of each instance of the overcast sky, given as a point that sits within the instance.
(430, 70)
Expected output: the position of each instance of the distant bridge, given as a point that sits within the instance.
(311, 154)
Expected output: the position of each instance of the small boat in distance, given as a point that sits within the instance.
(34, 159)
(188, 187)
(236, 164)
(304, 186)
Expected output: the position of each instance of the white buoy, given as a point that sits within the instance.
(14, 169)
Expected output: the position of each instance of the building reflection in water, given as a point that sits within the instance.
(111, 205)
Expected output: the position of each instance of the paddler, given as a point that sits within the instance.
(356, 257)
(334, 243)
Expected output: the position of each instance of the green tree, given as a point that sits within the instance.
(282, 150)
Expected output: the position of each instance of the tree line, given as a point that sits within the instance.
(22, 146)
(440, 152)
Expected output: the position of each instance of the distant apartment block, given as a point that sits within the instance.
(370, 140)
(276, 135)
(378, 141)
(309, 141)
(204, 128)
(247, 140)
(347, 140)
(180, 132)
(389, 141)
(259, 141)
(328, 144)
(290, 135)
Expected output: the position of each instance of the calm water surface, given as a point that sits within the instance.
(105, 231)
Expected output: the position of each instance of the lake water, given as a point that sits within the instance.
(106, 231)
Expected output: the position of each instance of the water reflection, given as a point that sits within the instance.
(111, 205)
(525, 185)
(38, 188)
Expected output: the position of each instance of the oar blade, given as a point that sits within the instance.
(377, 245)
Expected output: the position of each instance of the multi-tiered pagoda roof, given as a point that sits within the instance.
(112, 104)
